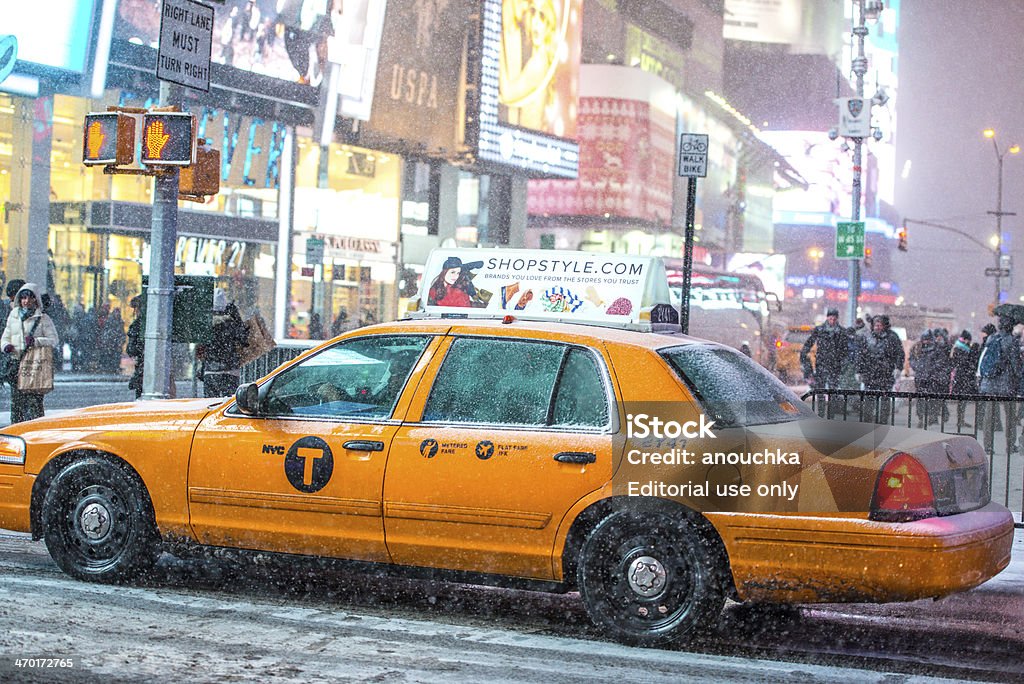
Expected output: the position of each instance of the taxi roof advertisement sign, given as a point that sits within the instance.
(544, 284)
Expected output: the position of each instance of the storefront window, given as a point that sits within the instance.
(345, 239)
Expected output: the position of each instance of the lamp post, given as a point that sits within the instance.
(999, 213)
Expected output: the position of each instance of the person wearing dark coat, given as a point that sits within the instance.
(880, 363)
(1001, 377)
(930, 361)
(962, 379)
(136, 347)
(316, 328)
(831, 344)
(222, 357)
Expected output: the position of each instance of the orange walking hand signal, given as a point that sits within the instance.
(95, 139)
(156, 139)
(109, 139)
(168, 139)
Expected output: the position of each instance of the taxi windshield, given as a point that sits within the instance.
(732, 389)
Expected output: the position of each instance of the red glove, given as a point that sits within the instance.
(30, 341)
(9, 349)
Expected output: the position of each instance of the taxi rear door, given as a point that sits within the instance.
(305, 474)
(509, 436)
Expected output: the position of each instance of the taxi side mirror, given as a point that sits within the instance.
(247, 398)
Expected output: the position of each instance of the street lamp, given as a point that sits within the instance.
(999, 213)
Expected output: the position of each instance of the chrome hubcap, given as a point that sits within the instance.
(646, 576)
(95, 521)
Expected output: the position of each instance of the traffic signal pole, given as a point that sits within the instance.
(156, 379)
(860, 67)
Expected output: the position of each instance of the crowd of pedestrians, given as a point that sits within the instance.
(941, 365)
(871, 349)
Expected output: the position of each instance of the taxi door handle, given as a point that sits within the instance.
(363, 445)
(576, 457)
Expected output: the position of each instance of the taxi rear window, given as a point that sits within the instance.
(732, 389)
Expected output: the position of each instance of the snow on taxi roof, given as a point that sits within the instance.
(573, 287)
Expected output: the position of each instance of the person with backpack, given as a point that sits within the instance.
(999, 371)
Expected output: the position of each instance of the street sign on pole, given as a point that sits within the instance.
(186, 40)
(850, 240)
(693, 155)
(314, 251)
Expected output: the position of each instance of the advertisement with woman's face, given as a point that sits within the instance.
(539, 65)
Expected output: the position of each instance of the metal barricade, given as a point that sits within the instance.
(284, 351)
(995, 421)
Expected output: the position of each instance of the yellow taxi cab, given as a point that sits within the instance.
(787, 357)
(655, 473)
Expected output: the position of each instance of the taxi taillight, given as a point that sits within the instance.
(903, 491)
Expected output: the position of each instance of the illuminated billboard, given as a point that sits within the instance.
(529, 84)
(293, 40)
(61, 41)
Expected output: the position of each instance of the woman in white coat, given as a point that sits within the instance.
(27, 326)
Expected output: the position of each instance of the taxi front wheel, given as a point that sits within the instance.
(649, 578)
(98, 522)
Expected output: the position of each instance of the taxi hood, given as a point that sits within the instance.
(181, 412)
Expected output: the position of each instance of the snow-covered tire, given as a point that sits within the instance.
(98, 522)
(651, 578)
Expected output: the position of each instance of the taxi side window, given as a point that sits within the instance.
(358, 378)
(495, 381)
(580, 398)
(511, 382)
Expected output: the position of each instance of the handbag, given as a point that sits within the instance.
(259, 342)
(35, 368)
(35, 372)
(9, 363)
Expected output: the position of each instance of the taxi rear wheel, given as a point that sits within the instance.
(98, 522)
(648, 578)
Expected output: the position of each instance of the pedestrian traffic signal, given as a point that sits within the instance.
(109, 138)
(168, 139)
(202, 178)
(902, 236)
(867, 257)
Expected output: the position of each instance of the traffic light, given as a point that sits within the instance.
(168, 139)
(902, 235)
(109, 138)
(202, 178)
(867, 257)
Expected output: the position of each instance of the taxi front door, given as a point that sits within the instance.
(306, 475)
(290, 486)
